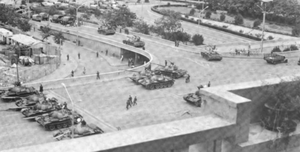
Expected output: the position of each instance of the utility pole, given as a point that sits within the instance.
(264, 20)
(28, 8)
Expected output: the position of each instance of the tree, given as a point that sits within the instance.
(208, 14)
(238, 20)
(45, 32)
(141, 26)
(168, 23)
(296, 30)
(53, 10)
(181, 36)
(121, 17)
(256, 23)
(71, 11)
(192, 12)
(59, 38)
(198, 39)
(97, 13)
(222, 17)
(24, 25)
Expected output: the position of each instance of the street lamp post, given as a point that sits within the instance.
(72, 108)
(264, 20)
(200, 16)
(78, 20)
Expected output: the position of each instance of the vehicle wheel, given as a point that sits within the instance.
(51, 127)
(58, 126)
(65, 125)
(286, 61)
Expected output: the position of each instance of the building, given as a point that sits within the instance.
(5, 36)
(36, 46)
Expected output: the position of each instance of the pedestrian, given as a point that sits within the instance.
(78, 55)
(135, 101)
(41, 88)
(149, 66)
(97, 54)
(128, 62)
(166, 63)
(83, 70)
(72, 73)
(208, 85)
(98, 75)
(187, 80)
(127, 104)
(67, 57)
(106, 52)
(130, 100)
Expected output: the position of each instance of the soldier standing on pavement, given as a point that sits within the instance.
(98, 75)
(68, 57)
(127, 104)
(83, 70)
(130, 100)
(208, 85)
(72, 73)
(78, 55)
(166, 63)
(97, 54)
(135, 101)
(41, 88)
(187, 80)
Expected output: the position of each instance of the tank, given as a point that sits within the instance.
(275, 59)
(211, 56)
(58, 119)
(80, 130)
(157, 82)
(15, 93)
(171, 71)
(134, 41)
(40, 108)
(67, 20)
(193, 99)
(278, 117)
(56, 18)
(106, 30)
(31, 100)
(37, 17)
(137, 78)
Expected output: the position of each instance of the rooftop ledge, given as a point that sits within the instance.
(163, 136)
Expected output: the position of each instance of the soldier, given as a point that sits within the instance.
(72, 73)
(187, 80)
(130, 100)
(97, 54)
(83, 70)
(106, 52)
(98, 75)
(41, 88)
(78, 55)
(149, 67)
(166, 63)
(208, 85)
(68, 57)
(134, 101)
(127, 104)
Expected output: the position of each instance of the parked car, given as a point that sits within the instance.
(67, 20)
(45, 16)
(37, 17)
(56, 18)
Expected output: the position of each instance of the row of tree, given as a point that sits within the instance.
(10, 17)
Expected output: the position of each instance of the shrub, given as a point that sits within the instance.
(208, 14)
(147, 1)
(198, 39)
(296, 31)
(192, 12)
(241, 31)
(222, 17)
(141, 26)
(258, 35)
(168, 4)
(293, 47)
(238, 19)
(256, 23)
(276, 49)
(270, 37)
(126, 31)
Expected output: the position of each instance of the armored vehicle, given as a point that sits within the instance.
(171, 71)
(31, 100)
(211, 56)
(36, 17)
(56, 18)
(79, 130)
(193, 99)
(157, 82)
(137, 78)
(58, 119)
(278, 117)
(44, 16)
(67, 20)
(106, 30)
(40, 108)
(275, 59)
(15, 93)
(134, 41)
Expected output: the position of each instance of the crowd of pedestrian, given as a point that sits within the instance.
(131, 102)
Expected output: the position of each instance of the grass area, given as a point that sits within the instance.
(247, 22)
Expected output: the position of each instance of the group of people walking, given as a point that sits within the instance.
(131, 102)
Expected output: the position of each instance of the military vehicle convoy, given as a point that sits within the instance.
(80, 130)
(275, 58)
(106, 30)
(157, 82)
(171, 71)
(211, 56)
(58, 119)
(134, 41)
(15, 93)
